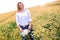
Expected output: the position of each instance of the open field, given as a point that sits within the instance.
(46, 23)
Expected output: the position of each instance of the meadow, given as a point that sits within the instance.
(46, 23)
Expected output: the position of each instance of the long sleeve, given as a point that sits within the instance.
(17, 19)
(29, 16)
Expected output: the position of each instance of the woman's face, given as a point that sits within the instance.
(21, 5)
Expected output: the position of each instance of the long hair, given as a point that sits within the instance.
(19, 9)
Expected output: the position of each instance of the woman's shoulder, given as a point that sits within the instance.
(17, 13)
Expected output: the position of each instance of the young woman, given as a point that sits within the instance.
(23, 19)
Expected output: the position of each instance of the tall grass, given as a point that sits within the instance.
(9, 32)
(46, 26)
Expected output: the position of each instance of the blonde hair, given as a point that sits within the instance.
(19, 9)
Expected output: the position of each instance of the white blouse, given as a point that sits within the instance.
(23, 18)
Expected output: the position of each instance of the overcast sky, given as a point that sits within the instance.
(10, 5)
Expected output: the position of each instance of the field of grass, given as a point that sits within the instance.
(46, 24)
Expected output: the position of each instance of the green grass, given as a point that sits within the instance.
(9, 32)
(46, 25)
(50, 28)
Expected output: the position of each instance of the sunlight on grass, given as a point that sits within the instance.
(46, 24)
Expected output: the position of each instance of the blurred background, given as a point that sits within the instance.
(44, 13)
(11, 5)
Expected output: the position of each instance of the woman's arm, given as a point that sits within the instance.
(17, 21)
(30, 25)
(30, 20)
(20, 28)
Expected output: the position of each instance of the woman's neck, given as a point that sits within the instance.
(22, 10)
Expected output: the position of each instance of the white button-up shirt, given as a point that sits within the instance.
(23, 18)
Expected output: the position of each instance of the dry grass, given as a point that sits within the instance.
(41, 17)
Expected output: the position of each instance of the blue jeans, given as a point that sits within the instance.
(30, 33)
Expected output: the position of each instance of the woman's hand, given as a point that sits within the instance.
(21, 30)
(29, 27)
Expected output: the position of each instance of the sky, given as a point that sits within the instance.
(11, 5)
